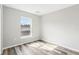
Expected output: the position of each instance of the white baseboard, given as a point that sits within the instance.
(18, 44)
(76, 50)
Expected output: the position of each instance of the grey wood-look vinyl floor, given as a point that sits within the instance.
(38, 48)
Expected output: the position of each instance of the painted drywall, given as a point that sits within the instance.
(0, 29)
(11, 27)
(62, 27)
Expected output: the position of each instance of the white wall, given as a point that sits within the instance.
(62, 27)
(11, 27)
(0, 29)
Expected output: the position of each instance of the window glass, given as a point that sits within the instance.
(26, 24)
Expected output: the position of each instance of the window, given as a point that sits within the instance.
(26, 26)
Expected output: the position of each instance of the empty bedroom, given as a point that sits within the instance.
(39, 29)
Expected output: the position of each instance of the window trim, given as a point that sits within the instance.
(22, 37)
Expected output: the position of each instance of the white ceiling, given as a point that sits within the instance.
(39, 9)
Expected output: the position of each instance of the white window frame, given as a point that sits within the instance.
(30, 29)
